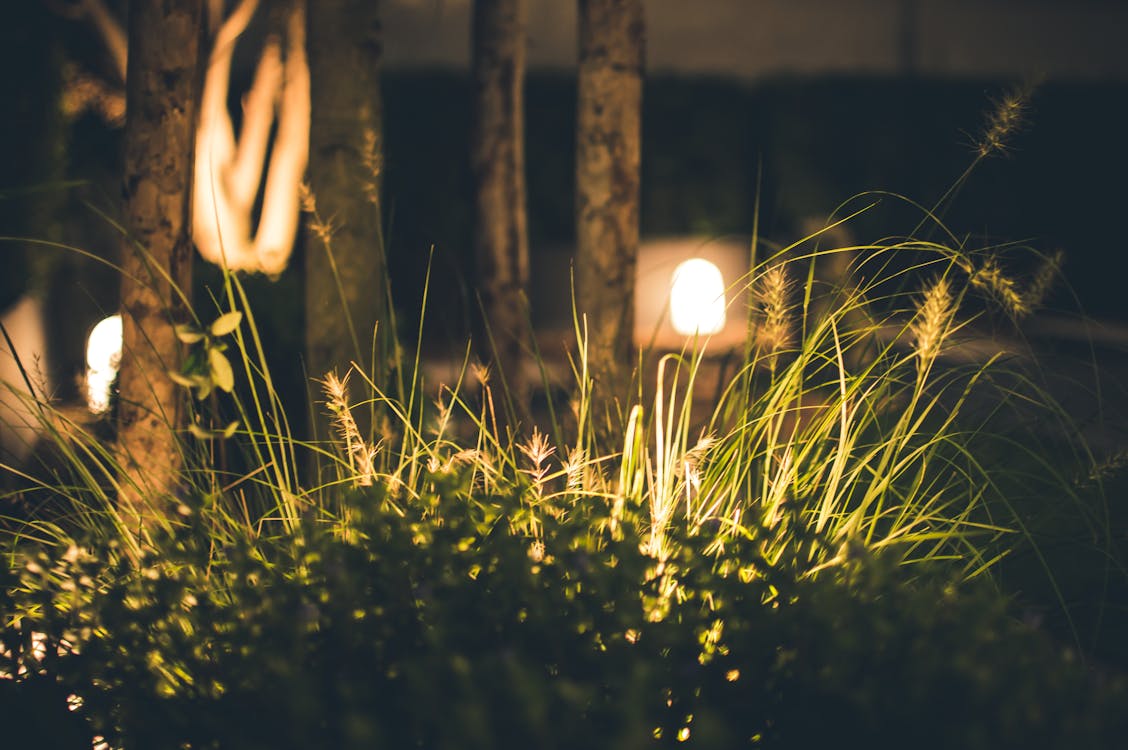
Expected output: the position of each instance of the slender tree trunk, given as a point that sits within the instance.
(344, 265)
(162, 93)
(608, 135)
(501, 240)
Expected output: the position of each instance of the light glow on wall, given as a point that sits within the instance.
(103, 355)
(697, 298)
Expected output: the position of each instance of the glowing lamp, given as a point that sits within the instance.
(697, 298)
(103, 355)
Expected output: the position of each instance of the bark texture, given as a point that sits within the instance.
(501, 242)
(162, 93)
(344, 265)
(608, 136)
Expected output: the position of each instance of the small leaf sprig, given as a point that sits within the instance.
(207, 368)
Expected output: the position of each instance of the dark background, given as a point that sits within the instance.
(714, 148)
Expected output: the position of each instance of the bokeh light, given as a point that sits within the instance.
(103, 355)
(697, 298)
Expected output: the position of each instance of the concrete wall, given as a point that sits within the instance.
(1062, 39)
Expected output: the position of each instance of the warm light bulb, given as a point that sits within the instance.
(103, 355)
(697, 298)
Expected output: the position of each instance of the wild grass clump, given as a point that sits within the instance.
(802, 547)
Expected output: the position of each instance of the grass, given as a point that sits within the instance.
(824, 531)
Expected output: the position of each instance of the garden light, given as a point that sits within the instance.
(103, 355)
(697, 298)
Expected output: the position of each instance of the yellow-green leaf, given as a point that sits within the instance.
(199, 432)
(184, 380)
(229, 430)
(227, 323)
(220, 368)
(188, 334)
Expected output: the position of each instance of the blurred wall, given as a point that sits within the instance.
(754, 38)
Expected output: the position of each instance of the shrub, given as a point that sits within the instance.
(441, 625)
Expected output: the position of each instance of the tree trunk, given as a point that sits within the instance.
(344, 264)
(162, 96)
(501, 240)
(608, 149)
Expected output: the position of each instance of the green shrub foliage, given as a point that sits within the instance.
(441, 625)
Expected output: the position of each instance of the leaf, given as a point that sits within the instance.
(188, 334)
(227, 323)
(220, 368)
(199, 432)
(187, 381)
(205, 434)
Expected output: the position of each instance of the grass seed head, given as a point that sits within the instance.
(373, 165)
(306, 199)
(575, 469)
(1003, 122)
(323, 229)
(990, 278)
(770, 297)
(1048, 271)
(481, 373)
(360, 455)
(538, 451)
(933, 320)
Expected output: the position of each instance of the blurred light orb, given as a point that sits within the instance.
(697, 298)
(103, 356)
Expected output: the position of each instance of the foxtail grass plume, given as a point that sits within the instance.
(481, 373)
(1111, 466)
(323, 229)
(695, 456)
(1004, 121)
(770, 297)
(373, 166)
(359, 454)
(575, 470)
(305, 197)
(990, 278)
(1048, 271)
(442, 416)
(933, 321)
(538, 451)
(690, 470)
